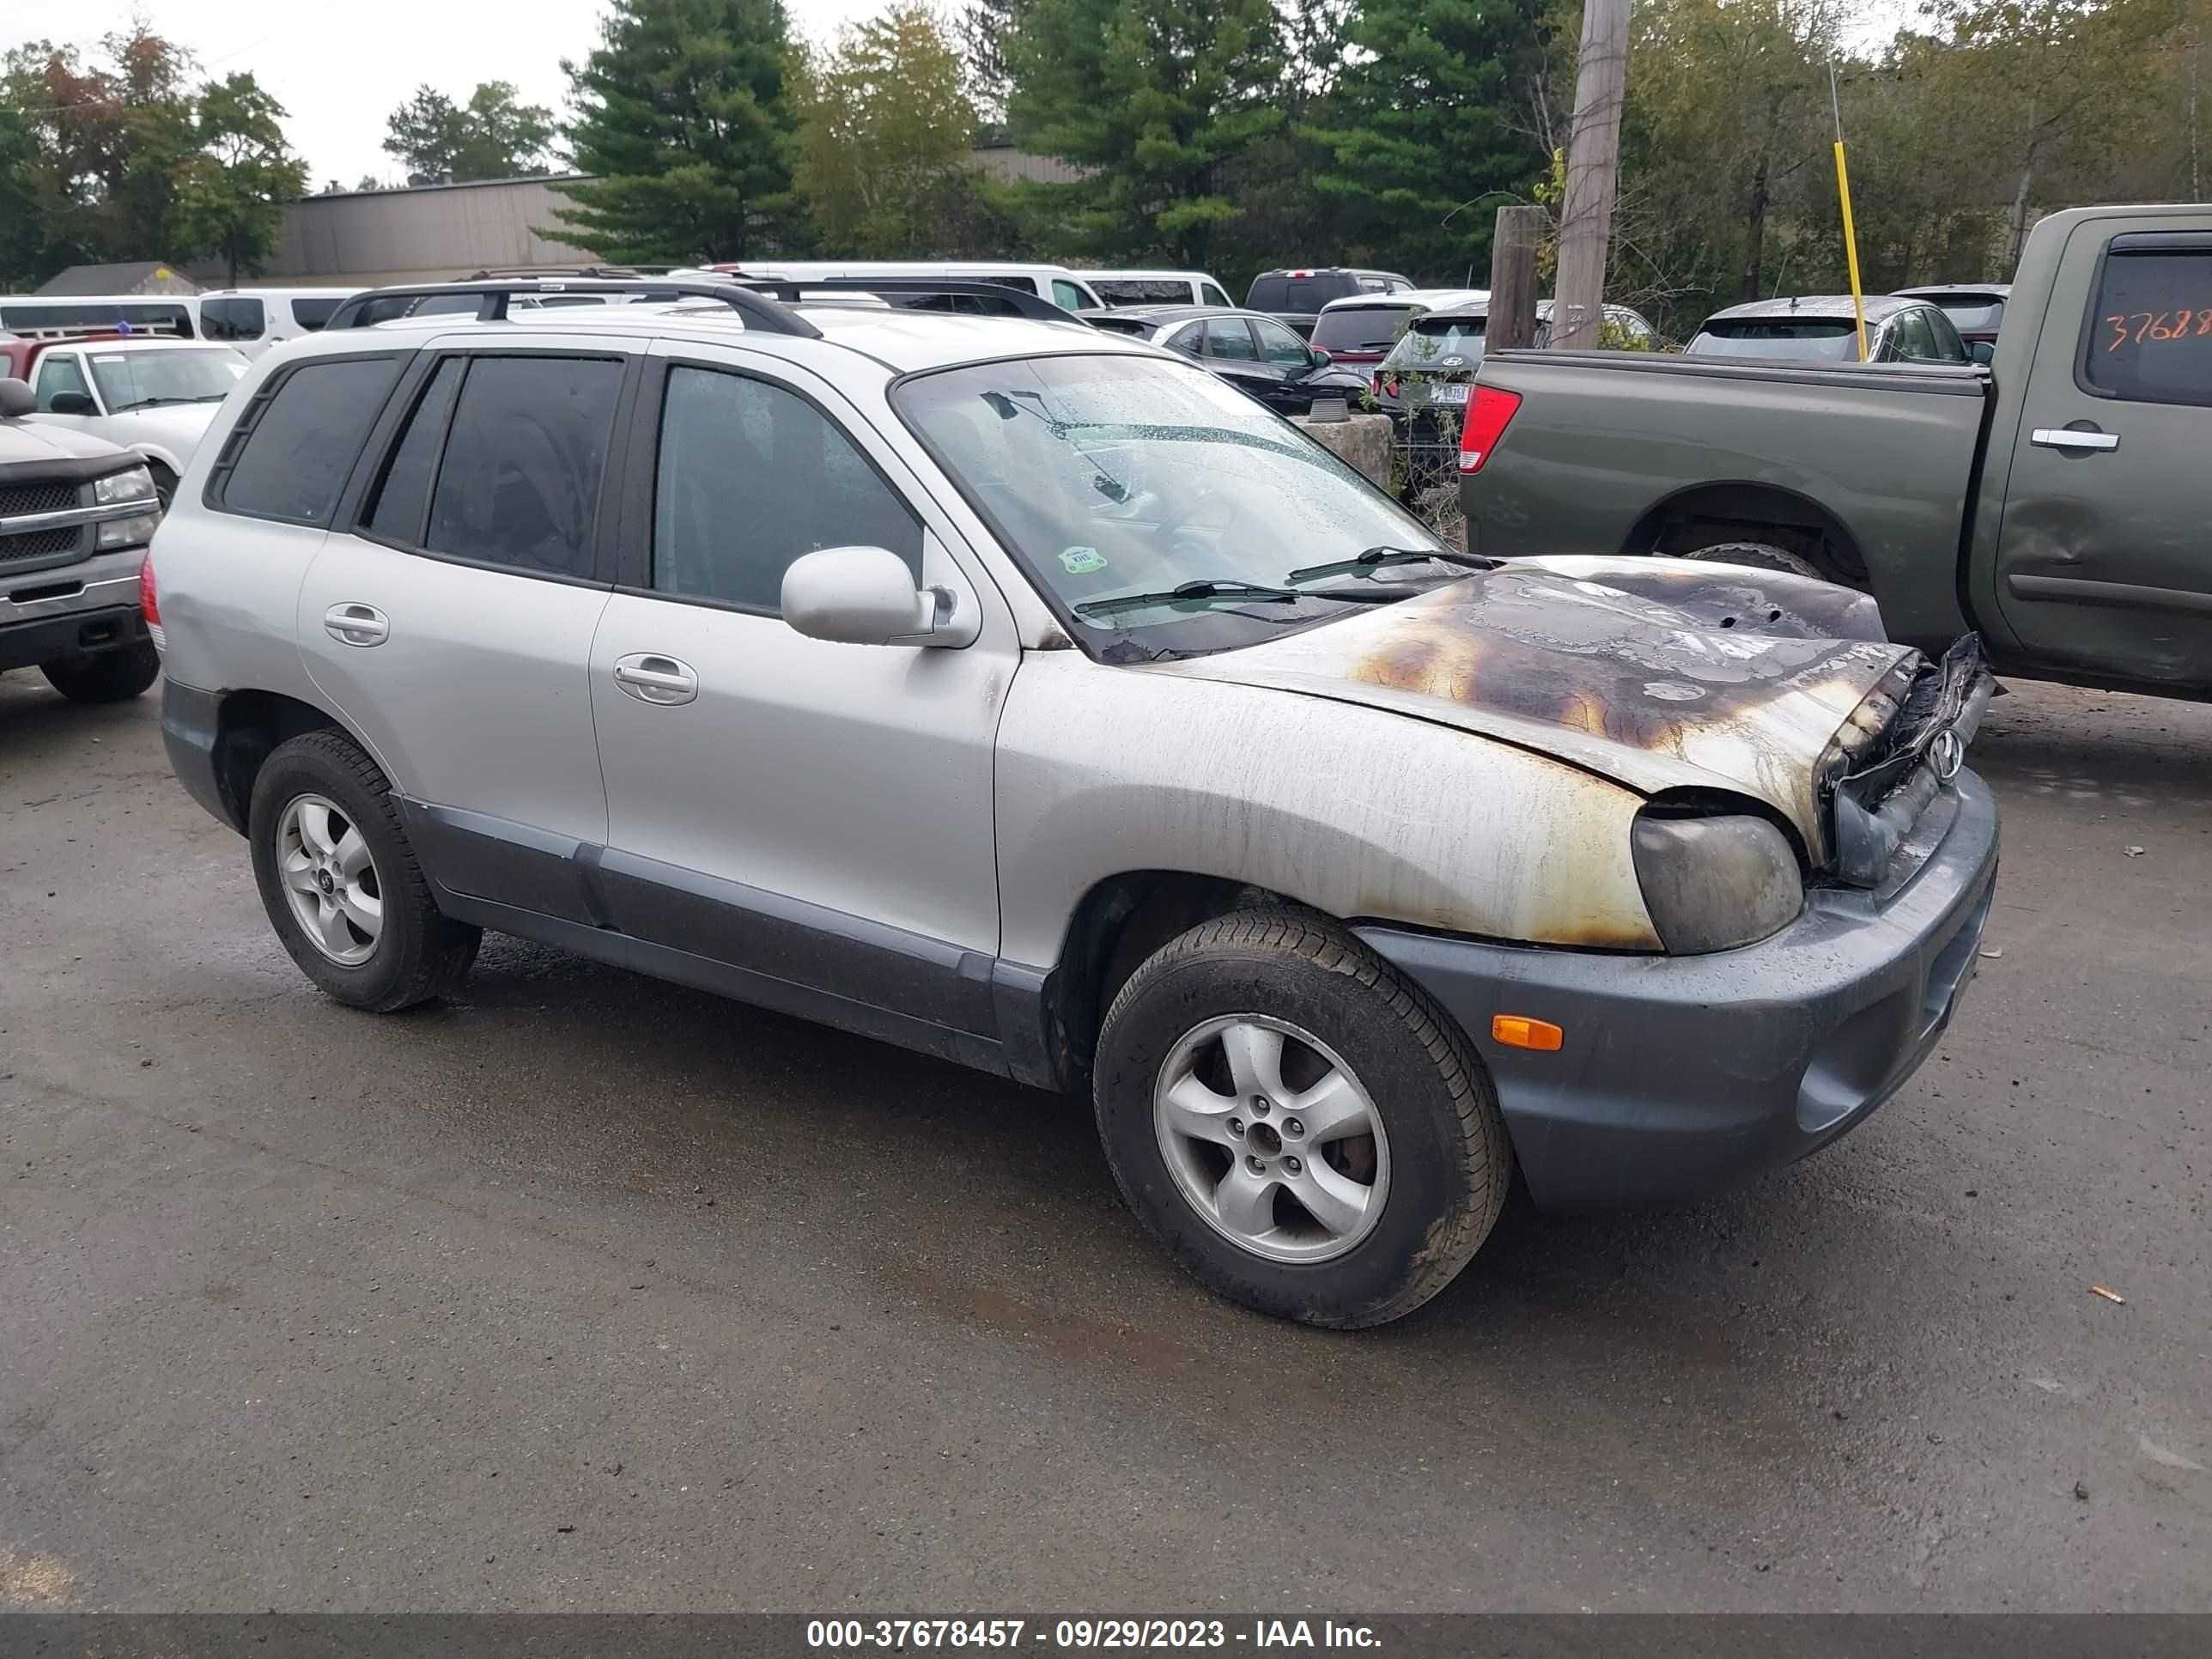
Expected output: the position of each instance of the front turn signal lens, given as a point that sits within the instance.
(1519, 1031)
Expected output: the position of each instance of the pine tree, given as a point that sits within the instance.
(682, 124)
(1162, 98)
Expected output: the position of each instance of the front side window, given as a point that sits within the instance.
(751, 476)
(1115, 479)
(1279, 346)
(290, 453)
(1210, 296)
(1228, 337)
(2150, 327)
(149, 380)
(1916, 341)
(519, 481)
(1067, 295)
(59, 372)
(1949, 348)
(231, 318)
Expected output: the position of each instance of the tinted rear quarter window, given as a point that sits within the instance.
(520, 482)
(290, 453)
(2150, 328)
(232, 318)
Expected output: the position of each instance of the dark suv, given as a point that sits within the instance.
(1296, 297)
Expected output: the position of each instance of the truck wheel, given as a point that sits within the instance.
(106, 676)
(1301, 1127)
(1764, 555)
(340, 882)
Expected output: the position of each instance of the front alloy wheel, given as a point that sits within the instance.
(1271, 1138)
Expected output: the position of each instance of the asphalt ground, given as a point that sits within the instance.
(586, 1291)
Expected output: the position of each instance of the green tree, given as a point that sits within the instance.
(884, 128)
(493, 136)
(682, 119)
(1162, 100)
(234, 191)
(986, 29)
(1425, 127)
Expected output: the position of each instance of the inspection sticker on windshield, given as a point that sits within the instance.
(1081, 561)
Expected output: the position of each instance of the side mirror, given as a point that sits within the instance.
(1982, 352)
(73, 403)
(867, 596)
(1321, 358)
(15, 397)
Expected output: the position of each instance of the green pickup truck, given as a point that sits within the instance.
(2052, 501)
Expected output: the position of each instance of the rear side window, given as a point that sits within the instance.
(312, 314)
(288, 455)
(403, 500)
(2150, 338)
(232, 318)
(751, 476)
(520, 482)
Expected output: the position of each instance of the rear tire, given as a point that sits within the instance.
(106, 676)
(1762, 556)
(1223, 1066)
(341, 884)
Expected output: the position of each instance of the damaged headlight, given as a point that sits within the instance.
(1713, 883)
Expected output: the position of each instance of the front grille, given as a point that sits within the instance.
(1887, 764)
(40, 543)
(50, 495)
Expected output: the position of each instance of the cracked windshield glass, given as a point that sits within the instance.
(1166, 512)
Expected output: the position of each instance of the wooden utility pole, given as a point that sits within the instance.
(1513, 247)
(1593, 167)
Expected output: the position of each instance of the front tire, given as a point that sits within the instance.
(106, 675)
(341, 884)
(1296, 1124)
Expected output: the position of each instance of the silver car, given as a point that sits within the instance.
(1028, 697)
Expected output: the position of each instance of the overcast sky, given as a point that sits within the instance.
(340, 69)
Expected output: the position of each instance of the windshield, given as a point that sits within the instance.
(1834, 340)
(1360, 328)
(142, 379)
(1431, 339)
(1110, 476)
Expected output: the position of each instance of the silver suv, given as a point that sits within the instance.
(1028, 697)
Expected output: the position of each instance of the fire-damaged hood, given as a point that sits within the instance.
(1658, 673)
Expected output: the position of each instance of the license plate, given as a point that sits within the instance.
(1451, 394)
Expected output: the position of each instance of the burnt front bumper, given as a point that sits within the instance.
(1681, 1074)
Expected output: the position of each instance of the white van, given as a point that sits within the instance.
(1156, 288)
(48, 316)
(255, 319)
(1065, 288)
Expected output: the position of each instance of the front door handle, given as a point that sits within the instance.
(356, 624)
(2065, 437)
(651, 677)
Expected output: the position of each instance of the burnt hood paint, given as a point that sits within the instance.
(1656, 673)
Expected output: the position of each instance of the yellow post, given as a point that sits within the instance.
(1850, 248)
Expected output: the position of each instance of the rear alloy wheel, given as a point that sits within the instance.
(341, 884)
(1301, 1127)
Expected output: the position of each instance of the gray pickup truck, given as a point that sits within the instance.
(75, 514)
(2051, 501)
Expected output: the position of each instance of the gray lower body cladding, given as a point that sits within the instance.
(1680, 1075)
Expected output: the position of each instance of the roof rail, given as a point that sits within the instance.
(909, 293)
(382, 305)
(524, 272)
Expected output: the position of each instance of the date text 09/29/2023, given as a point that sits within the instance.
(1074, 1634)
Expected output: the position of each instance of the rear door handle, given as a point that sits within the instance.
(356, 624)
(2061, 437)
(651, 677)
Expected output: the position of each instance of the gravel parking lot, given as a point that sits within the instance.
(589, 1291)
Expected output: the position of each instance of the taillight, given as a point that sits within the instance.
(149, 603)
(1375, 381)
(1487, 416)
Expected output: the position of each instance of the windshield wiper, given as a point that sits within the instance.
(1232, 592)
(1374, 557)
